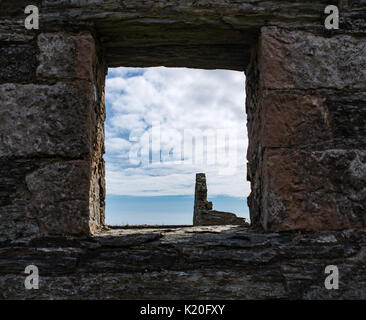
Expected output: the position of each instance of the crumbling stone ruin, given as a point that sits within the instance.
(306, 119)
(203, 215)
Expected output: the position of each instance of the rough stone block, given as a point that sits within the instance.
(60, 197)
(317, 121)
(66, 56)
(46, 120)
(17, 63)
(14, 197)
(313, 190)
(302, 60)
(15, 223)
(347, 117)
(47, 197)
(291, 120)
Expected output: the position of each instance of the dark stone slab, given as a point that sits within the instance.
(17, 63)
(216, 262)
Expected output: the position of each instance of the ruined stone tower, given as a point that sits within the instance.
(200, 199)
(203, 214)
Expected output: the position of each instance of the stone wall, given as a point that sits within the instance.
(51, 134)
(307, 124)
(305, 104)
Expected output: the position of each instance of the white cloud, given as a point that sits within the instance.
(179, 100)
(118, 146)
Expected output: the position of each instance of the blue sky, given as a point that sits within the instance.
(164, 125)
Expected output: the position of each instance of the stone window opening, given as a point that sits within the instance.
(163, 126)
(305, 158)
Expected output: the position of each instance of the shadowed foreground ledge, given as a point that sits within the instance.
(215, 262)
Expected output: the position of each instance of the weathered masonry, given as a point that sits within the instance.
(306, 110)
(203, 213)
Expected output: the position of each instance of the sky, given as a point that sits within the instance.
(163, 126)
